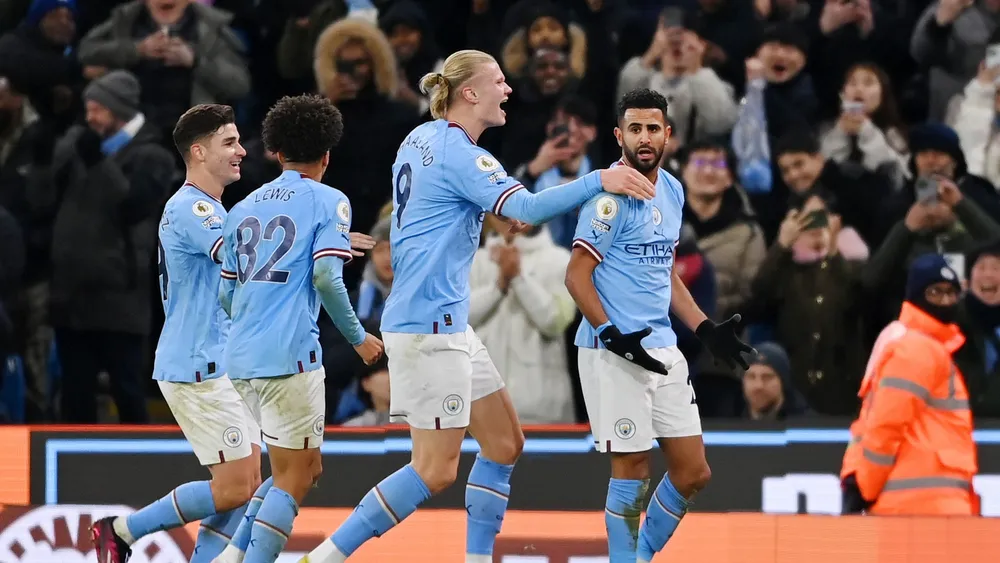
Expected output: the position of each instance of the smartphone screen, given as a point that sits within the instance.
(851, 106)
(993, 55)
(560, 131)
(816, 219)
(926, 189)
(672, 17)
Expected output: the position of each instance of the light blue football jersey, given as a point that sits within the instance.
(634, 243)
(191, 344)
(271, 239)
(443, 185)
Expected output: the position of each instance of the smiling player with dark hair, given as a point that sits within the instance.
(189, 365)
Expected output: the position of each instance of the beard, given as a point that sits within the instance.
(644, 167)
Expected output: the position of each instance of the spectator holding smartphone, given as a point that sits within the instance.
(702, 105)
(810, 283)
(943, 218)
(973, 114)
(868, 132)
(566, 154)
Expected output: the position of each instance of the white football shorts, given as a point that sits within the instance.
(291, 408)
(213, 417)
(434, 378)
(629, 406)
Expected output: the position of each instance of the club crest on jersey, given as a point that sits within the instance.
(202, 208)
(318, 425)
(607, 208)
(486, 164)
(453, 404)
(344, 211)
(624, 428)
(233, 437)
(657, 217)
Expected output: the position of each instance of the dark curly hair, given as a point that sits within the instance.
(302, 128)
(642, 98)
(198, 123)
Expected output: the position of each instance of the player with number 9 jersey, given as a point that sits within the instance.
(441, 377)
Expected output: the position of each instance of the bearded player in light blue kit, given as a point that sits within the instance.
(442, 381)
(621, 276)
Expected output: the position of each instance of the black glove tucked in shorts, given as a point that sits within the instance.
(629, 346)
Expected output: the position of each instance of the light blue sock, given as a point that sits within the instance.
(622, 512)
(663, 514)
(486, 497)
(215, 533)
(388, 504)
(241, 538)
(188, 503)
(271, 527)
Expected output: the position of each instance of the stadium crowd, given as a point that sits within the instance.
(823, 146)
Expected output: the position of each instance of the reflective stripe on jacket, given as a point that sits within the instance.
(911, 449)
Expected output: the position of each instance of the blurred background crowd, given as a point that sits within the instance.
(876, 119)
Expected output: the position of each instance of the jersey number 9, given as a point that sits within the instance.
(246, 247)
(403, 181)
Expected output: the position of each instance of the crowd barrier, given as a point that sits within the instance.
(57, 534)
(771, 498)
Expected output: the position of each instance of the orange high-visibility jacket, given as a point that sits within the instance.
(911, 449)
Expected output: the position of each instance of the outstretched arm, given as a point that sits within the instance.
(481, 180)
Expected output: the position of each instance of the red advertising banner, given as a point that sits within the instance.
(58, 534)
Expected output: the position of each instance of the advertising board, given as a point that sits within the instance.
(782, 470)
(57, 534)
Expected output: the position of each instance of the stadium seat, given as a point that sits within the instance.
(13, 390)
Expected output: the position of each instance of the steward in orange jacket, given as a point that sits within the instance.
(911, 449)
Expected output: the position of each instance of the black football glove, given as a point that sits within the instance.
(629, 346)
(722, 342)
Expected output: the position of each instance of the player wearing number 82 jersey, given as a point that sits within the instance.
(284, 249)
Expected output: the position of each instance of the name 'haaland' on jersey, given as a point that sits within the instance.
(425, 149)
